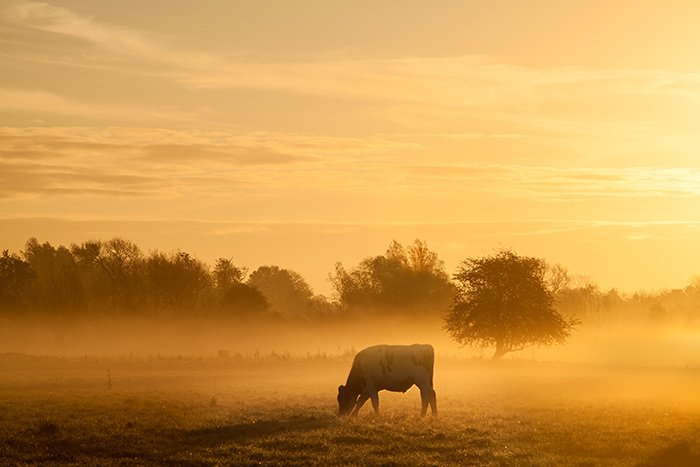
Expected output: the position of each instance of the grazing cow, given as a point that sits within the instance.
(391, 367)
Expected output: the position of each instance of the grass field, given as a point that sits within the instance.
(281, 411)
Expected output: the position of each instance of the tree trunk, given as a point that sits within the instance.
(501, 350)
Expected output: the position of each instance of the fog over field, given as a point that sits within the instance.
(671, 345)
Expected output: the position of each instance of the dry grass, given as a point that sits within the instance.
(272, 411)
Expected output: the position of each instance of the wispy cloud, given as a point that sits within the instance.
(62, 21)
(160, 163)
(562, 184)
(36, 162)
(243, 148)
(142, 162)
(485, 228)
(39, 102)
(466, 82)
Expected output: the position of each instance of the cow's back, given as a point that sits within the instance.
(396, 367)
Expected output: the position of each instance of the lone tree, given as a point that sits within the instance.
(503, 300)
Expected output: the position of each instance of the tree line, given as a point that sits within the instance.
(115, 278)
(503, 300)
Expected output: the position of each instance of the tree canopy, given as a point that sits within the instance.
(287, 291)
(407, 281)
(504, 301)
(16, 277)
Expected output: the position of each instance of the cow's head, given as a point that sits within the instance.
(346, 400)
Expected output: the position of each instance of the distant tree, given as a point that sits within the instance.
(158, 284)
(584, 298)
(57, 295)
(227, 274)
(658, 313)
(692, 291)
(320, 308)
(16, 279)
(693, 287)
(176, 282)
(118, 261)
(403, 281)
(557, 278)
(191, 280)
(286, 291)
(95, 284)
(58, 289)
(503, 301)
(86, 253)
(243, 301)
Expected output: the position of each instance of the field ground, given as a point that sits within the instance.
(281, 411)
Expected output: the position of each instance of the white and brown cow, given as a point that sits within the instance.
(391, 367)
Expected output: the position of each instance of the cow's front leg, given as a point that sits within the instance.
(360, 402)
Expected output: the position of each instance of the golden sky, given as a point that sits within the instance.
(304, 133)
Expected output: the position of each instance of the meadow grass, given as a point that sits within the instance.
(281, 411)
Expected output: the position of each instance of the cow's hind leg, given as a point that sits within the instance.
(433, 402)
(375, 401)
(427, 397)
